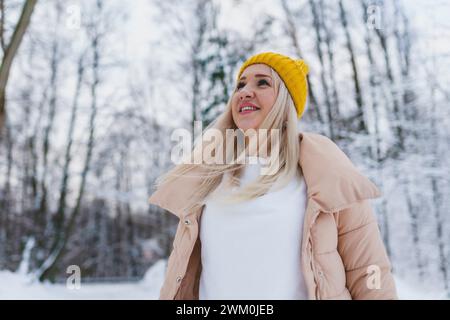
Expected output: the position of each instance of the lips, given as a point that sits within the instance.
(247, 107)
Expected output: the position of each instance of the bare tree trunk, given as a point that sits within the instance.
(437, 194)
(376, 150)
(9, 161)
(6, 201)
(54, 66)
(292, 33)
(396, 107)
(118, 250)
(131, 250)
(404, 51)
(356, 81)
(42, 216)
(443, 265)
(103, 255)
(413, 213)
(2, 26)
(31, 186)
(200, 38)
(319, 41)
(328, 40)
(59, 219)
(10, 53)
(119, 226)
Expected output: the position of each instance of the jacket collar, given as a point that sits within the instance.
(332, 181)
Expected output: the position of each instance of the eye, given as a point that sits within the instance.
(240, 85)
(260, 82)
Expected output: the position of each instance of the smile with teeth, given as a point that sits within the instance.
(248, 109)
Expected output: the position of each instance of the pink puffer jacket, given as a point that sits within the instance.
(343, 256)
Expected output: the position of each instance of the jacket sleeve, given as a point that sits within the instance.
(367, 266)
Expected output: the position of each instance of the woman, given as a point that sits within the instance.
(302, 230)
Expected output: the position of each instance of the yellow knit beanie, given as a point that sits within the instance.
(292, 72)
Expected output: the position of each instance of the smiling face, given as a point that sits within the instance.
(253, 97)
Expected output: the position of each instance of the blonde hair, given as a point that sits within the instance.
(282, 116)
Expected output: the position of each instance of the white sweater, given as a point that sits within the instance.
(252, 250)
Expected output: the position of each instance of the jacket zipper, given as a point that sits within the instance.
(191, 248)
(316, 279)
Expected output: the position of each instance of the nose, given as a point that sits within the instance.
(245, 93)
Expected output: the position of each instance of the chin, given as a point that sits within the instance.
(245, 127)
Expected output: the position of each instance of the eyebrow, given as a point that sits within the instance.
(257, 76)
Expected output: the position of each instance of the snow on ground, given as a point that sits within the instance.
(17, 286)
(407, 291)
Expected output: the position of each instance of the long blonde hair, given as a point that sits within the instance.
(282, 116)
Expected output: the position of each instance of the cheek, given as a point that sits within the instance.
(233, 104)
(268, 100)
(234, 100)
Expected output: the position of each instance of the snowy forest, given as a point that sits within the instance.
(91, 90)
